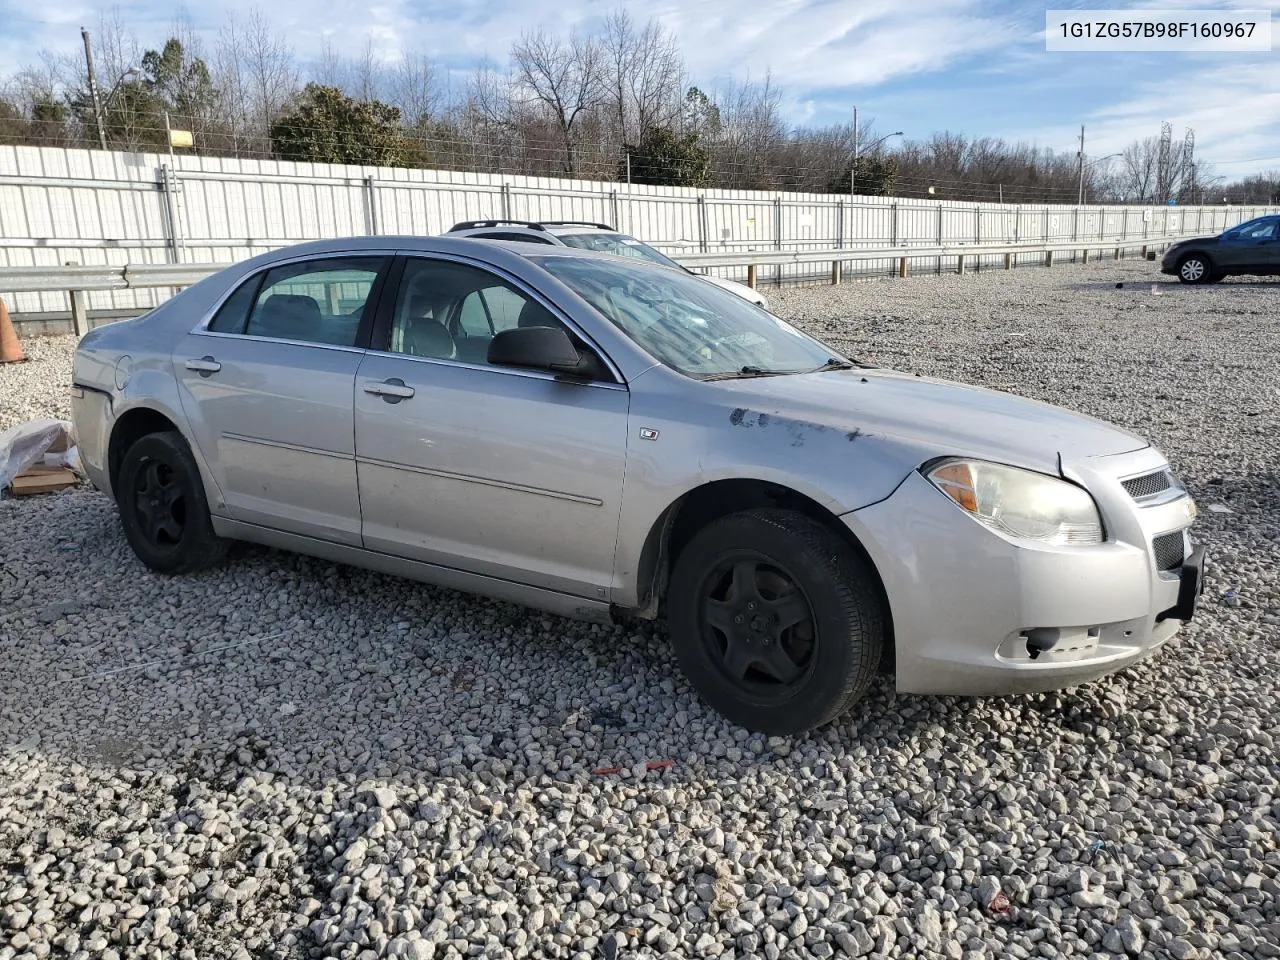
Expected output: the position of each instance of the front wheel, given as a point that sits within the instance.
(163, 508)
(775, 620)
(1195, 269)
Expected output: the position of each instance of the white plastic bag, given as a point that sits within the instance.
(27, 444)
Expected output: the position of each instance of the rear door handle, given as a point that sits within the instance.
(392, 391)
(204, 366)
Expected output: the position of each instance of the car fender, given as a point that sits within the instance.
(674, 449)
(150, 385)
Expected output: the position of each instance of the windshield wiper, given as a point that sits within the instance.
(834, 363)
(748, 371)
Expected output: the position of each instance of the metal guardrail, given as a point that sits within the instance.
(845, 254)
(77, 280)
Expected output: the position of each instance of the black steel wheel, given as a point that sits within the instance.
(757, 625)
(775, 619)
(163, 508)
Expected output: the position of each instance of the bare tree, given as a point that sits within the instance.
(331, 67)
(413, 86)
(368, 74)
(257, 74)
(563, 78)
(1141, 180)
(644, 75)
(750, 135)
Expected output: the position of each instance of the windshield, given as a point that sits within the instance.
(689, 324)
(616, 243)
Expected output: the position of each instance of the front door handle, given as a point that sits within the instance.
(392, 391)
(204, 366)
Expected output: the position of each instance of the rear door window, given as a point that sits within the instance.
(315, 301)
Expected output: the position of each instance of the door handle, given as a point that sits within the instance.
(392, 391)
(204, 366)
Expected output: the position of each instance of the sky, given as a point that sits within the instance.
(919, 66)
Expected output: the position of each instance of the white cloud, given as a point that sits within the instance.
(1233, 108)
(804, 43)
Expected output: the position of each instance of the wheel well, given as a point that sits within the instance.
(130, 428)
(703, 505)
(1186, 255)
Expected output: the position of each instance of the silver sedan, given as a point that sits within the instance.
(600, 437)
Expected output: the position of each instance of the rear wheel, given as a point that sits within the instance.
(1195, 268)
(163, 508)
(775, 620)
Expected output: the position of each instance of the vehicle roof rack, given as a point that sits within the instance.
(480, 224)
(576, 223)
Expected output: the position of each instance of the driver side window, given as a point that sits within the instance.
(1263, 230)
(451, 311)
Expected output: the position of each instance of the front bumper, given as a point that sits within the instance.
(977, 614)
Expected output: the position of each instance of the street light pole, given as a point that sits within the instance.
(93, 87)
(1080, 198)
(853, 170)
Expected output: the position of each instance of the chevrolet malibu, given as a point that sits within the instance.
(601, 437)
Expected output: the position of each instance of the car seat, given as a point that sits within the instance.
(289, 316)
(422, 334)
(534, 314)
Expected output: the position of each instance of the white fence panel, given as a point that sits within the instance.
(94, 207)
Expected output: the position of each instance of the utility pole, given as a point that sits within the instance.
(853, 170)
(1080, 199)
(93, 87)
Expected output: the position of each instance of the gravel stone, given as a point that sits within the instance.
(286, 758)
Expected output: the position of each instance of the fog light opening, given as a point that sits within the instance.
(1041, 639)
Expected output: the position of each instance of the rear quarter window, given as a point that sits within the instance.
(233, 315)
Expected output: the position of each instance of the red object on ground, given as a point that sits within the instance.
(1000, 904)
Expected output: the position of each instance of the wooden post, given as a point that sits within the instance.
(751, 275)
(1048, 258)
(79, 314)
(1008, 261)
(1117, 253)
(835, 272)
(1144, 251)
(960, 264)
(1084, 256)
(902, 266)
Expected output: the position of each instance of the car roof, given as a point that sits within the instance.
(545, 237)
(543, 229)
(497, 252)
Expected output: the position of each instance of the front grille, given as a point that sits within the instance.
(1169, 550)
(1148, 485)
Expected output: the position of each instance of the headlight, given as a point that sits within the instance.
(1020, 503)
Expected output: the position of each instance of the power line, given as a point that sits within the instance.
(1229, 163)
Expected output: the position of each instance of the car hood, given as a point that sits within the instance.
(741, 289)
(928, 417)
(1198, 241)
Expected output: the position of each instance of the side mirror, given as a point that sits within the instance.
(536, 348)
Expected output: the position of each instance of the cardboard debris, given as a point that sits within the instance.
(42, 480)
(39, 456)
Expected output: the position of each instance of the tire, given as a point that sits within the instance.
(775, 620)
(163, 508)
(1195, 268)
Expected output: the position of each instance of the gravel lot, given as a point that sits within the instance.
(286, 758)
